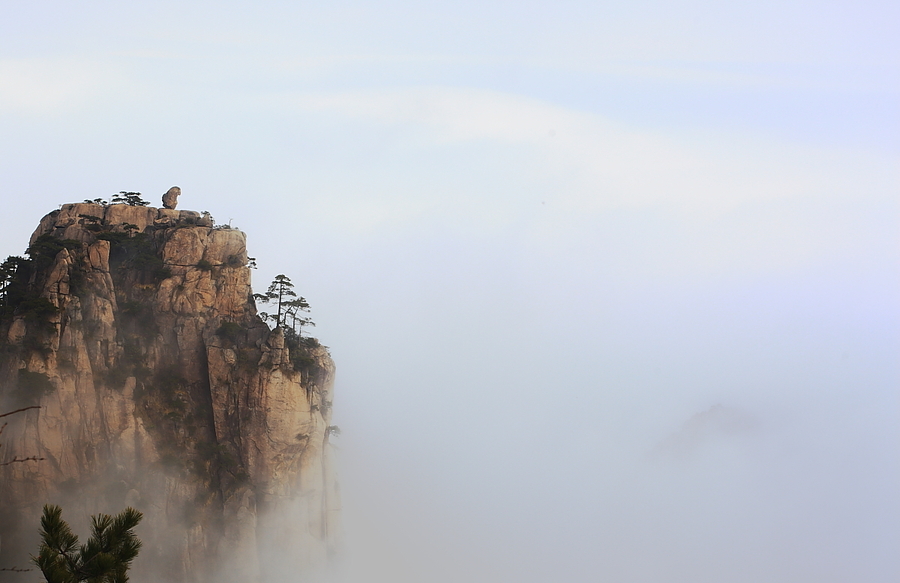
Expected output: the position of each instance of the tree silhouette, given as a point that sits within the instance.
(14, 275)
(129, 198)
(104, 558)
(288, 305)
(293, 310)
(99, 201)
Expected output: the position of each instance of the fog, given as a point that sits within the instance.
(612, 290)
(550, 425)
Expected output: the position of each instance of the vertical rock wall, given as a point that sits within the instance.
(160, 388)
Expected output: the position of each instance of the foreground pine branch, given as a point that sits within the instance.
(104, 558)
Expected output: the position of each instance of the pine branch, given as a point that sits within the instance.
(18, 459)
(19, 411)
(104, 558)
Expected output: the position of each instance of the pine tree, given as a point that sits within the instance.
(292, 312)
(104, 558)
(129, 198)
(14, 274)
(287, 315)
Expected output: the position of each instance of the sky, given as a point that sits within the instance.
(611, 286)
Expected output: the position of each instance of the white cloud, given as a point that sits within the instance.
(53, 86)
(599, 164)
(489, 162)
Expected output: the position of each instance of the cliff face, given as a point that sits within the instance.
(135, 330)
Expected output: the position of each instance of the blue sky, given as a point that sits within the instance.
(541, 239)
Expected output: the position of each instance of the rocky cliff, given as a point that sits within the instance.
(135, 330)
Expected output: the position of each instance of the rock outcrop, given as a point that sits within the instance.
(170, 198)
(135, 330)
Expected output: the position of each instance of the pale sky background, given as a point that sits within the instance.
(612, 287)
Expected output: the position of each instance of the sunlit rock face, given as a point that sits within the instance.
(160, 388)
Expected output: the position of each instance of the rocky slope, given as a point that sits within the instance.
(135, 330)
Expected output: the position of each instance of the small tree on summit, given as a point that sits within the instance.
(129, 198)
(99, 201)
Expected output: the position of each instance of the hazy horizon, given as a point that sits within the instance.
(612, 289)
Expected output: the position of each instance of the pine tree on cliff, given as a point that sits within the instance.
(279, 293)
(104, 558)
(292, 311)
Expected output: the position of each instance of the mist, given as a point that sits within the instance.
(612, 293)
(732, 429)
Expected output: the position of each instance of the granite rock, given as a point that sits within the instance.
(168, 393)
